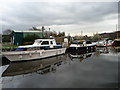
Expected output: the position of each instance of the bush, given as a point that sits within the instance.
(6, 38)
(30, 38)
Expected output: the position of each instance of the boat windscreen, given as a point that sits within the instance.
(21, 49)
(58, 43)
(77, 42)
(88, 42)
(74, 42)
(80, 42)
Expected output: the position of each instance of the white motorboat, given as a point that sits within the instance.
(104, 42)
(41, 48)
(83, 44)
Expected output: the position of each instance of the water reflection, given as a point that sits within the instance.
(108, 50)
(42, 66)
(103, 50)
(79, 56)
(116, 50)
(72, 70)
(50, 64)
(39, 66)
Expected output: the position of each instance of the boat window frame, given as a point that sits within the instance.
(51, 42)
(40, 41)
(45, 44)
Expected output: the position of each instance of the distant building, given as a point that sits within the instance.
(18, 37)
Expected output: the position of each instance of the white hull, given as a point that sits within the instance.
(82, 45)
(30, 55)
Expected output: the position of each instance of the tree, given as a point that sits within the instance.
(43, 28)
(34, 28)
(96, 37)
(77, 37)
(60, 34)
(7, 32)
(30, 38)
(6, 38)
(63, 33)
(54, 34)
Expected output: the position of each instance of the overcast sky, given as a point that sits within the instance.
(70, 17)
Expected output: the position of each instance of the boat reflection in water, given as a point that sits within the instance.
(108, 50)
(50, 64)
(104, 50)
(100, 50)
(73, 70)
(80, 56)
(39, 66)
(116, 49)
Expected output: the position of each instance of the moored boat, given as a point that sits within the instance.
(81, 57)
(42, 48)
(104, 42)
(82, 46)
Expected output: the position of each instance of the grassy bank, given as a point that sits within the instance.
(8, 47)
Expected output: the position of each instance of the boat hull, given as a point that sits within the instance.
(31, 55)
(82, 49)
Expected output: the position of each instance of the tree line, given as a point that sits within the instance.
(6, 36)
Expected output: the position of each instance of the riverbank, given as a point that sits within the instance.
(8, 47)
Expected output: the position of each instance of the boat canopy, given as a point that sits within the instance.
(41, 43)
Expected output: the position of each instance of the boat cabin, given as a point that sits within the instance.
(40, 44)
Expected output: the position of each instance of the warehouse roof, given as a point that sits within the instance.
(25, 31)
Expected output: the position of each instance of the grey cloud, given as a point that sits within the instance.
(24, 15)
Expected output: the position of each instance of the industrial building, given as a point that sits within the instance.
(18, 37)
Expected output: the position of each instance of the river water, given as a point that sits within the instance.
(91, 70)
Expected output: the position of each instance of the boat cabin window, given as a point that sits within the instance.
(45, 43)
(40, 41)
(51, 42)
(88, 42)
(33, 48)
(74, 42)
(77, 42)
(80, 42)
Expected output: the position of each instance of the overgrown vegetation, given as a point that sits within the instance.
(54, 34)
(6, 38)
(30, 38)
(8, 47)
(96, 37)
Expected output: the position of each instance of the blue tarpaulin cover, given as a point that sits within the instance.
(20, 49)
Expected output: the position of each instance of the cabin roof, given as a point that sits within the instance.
(45, 39)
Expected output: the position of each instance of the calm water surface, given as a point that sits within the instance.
(73, 70)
